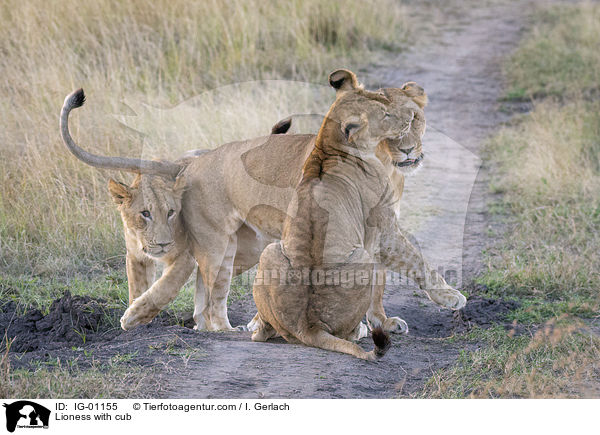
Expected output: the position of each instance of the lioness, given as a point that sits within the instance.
(337, 225)
(151, 214)
(234, 204)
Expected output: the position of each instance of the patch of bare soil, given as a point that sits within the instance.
(460, 70)
(221, 365)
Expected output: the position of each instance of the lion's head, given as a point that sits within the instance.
(150, 209)
(366, 118)
(406, 153)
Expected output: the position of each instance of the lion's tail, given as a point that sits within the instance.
(75, 100)
(382, 341)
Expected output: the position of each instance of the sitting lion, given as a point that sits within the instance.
(343, 209)
(234, 204)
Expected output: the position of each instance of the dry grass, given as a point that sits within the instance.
(5, 388)
(560, 56)
(54, 212)
(548, 165)
(550, 173)
(559, 360)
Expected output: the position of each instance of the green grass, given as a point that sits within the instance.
(241, 285)
(560, 56)
(116, 381)
(39, 293)
(559, 360)
(59, 378)
(551, 185)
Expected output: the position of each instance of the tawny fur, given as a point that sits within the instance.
(151, 213)
(343, 205)
(235, 204)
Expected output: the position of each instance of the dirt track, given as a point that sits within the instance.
(461, 73)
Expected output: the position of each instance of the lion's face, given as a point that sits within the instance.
(150, 210)
(367, 118)
(392, 118)
(406, 153)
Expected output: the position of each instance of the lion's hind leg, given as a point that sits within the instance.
(280, 304)
(376, 314)
(324, 340)
(254, 323)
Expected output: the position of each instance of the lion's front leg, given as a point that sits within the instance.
(201, 316)
(140, 275)
(399, 254)
(148, 305)
(446, 296)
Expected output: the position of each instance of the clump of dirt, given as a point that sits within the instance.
(483, 312)
(71, 321)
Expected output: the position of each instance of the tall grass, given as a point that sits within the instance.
(55, 217)
(560, 56)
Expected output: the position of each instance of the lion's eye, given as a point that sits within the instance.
(146, 214)
(170, 213)
(387, 115)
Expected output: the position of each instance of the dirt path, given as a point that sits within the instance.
(461, 73)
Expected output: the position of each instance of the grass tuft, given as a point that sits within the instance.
(558, 360)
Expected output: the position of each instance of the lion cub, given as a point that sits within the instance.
(150, 209)
(315, 286)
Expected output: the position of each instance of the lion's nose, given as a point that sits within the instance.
(408, 151)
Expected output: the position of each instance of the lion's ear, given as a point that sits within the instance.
(282, 126)
(121, 193)
(352, 126)
(343, 80)
(179, 186)
(416, 92)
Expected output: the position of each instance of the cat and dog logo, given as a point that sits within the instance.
(26, 414)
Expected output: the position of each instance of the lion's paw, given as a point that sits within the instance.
(220, 325)
(448, 298)
(138, 313)
(361, 331)
(254, 324)
(395, 325)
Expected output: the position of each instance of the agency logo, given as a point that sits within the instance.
(24, 414)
